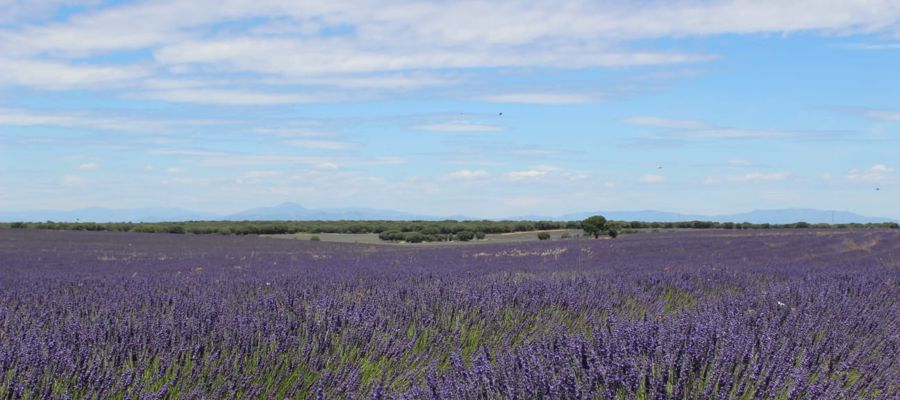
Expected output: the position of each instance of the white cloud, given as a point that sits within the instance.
(694, 129)
(182, 180)
(726, 133)
(460, 25)
(531, 173)
(748, 177)
(537, 151)
(459, 127)
(23, 11)
(666, 122)
(651, 178)
(539, 98)
(72, 180)
(234, 97)
(20, 117)
(363, 54)
(873, 46)
(174, 170)
(535, 172)
(388, 45)
(88, 166)
(209, 158)
(877, 114)
(320, 144)
(60, 76)
(326, 166)
(876, 173)
(738, 163)
(468, 174)
(252, 177)
(883, 115)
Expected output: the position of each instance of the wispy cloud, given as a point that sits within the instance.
(520, 175)
(534, 172)
(25, 11)
(468, 174)
(320, 144)
(739, 134)
(56, 75)
(88, 166)
(72, 180)
(738, 163)
(876, 113)
(749, 177)
(210, 158)
(872, 46)
(539, 98)
(376, 45)
(875, 173)
(459, 127)
(23, 117)
(253, 177)
(234, 97)
(676, 130)
(651, 178)
(669, 123)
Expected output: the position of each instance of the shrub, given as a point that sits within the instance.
(613, 229)
(465, 236)
(315, 238)
(391, 235)
(413, 237)
(174, 229)
(543, 236)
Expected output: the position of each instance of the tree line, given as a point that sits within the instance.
(419, 231)
(477, 229)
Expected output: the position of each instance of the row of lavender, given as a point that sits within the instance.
(711, 315)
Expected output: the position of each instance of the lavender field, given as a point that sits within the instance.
(785, 314)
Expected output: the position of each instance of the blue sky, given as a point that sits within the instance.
(688, 106)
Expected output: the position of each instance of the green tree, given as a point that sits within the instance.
(465, 236)
(594, 226)
(543, 236)
(613, 229)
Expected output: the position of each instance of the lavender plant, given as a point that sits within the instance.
(786, 314)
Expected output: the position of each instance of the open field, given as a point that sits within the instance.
(372, 238)
(786, 314)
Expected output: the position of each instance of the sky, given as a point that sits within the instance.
(478, 108)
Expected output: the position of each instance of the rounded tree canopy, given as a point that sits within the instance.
(594, 226)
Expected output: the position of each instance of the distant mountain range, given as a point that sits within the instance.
(293, 211)
(776, 216)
